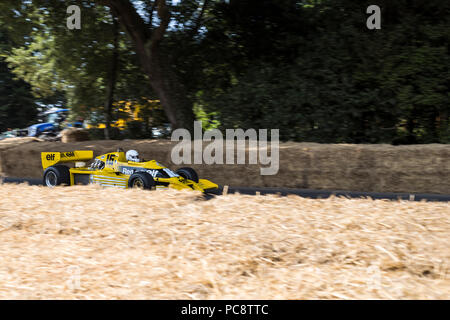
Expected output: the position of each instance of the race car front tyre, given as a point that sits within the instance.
(141, 180)
(56, 175)
(188, 173)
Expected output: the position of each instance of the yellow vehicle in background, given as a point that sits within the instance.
(129, 111)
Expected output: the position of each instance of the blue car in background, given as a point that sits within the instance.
(52, 124)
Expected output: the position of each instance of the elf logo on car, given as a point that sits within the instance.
(50, 157)
(153, 173)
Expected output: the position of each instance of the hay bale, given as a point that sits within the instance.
(74, 135)
(14, 142)
(376, 168)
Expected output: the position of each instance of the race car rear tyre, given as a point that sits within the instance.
(56, 175)
(141, 180)
(188, 173)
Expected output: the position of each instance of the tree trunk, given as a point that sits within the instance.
(163, 79)
(172, 93)
(443, 126)
(112, 80)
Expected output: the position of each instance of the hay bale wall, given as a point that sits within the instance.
(74, 135)
(376, 168)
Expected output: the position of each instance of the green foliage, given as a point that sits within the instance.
(76, 62)
(317, 73)
(310, 68)
(18, 107)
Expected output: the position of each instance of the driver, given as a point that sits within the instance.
(132, 155)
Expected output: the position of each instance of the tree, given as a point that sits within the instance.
(316, 72)
(94, 66)
(18, 107)
(156, 63)
(112, 76)
(310, 68)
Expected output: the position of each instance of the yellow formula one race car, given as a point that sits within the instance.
(117, 169)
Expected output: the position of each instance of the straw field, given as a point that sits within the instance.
(85, 242)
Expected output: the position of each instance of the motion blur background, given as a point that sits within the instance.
(310, 68)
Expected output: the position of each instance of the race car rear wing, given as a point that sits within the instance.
(52, 158)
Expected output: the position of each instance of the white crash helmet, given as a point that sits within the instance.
(132, 155)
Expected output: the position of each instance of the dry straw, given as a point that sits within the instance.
(93, 243)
